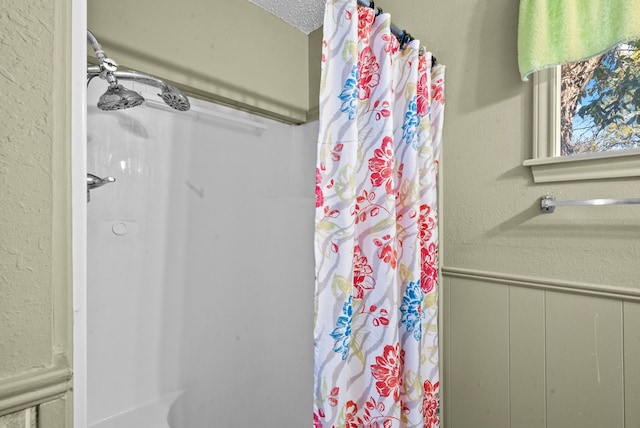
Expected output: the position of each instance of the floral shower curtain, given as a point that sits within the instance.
(376, 243)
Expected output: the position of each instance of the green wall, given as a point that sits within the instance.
(315, 58)
(491, 217)
(35, 232)
(540, 311)
(231, 52)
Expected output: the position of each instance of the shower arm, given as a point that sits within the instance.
(94, 70)
(107, 66)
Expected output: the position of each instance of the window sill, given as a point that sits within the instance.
(588, 166)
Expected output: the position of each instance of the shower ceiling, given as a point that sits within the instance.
(305, 15)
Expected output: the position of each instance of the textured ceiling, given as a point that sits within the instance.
(305, 15)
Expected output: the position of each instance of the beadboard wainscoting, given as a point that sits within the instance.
(26, 418)
(52, 414)
(524, 352)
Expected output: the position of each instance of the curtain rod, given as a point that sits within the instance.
(402, 35)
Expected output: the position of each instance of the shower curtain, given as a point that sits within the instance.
(376, 242)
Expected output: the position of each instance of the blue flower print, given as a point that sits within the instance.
(342, 333)
(411, 123)
(349, 94)
(411, 309)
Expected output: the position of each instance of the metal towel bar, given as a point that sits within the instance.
(548, 203)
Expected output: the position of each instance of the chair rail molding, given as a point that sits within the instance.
(35, 387)
(573, 287)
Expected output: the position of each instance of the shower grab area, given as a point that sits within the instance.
(200, 267)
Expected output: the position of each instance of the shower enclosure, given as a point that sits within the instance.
(200, 266)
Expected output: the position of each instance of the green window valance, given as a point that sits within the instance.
(553, 32)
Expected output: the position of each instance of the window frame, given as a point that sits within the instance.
(547, 165)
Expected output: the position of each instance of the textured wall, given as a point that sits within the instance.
(35, 327)
(26, 108)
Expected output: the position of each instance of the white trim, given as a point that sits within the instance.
(587, 166)
(546, 113)
(547, 165)
(79, 206)
(561, 286)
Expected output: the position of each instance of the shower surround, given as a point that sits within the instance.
(200, 267)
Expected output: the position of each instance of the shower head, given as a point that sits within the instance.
(170, 94)
(174, 98)
(118, 97)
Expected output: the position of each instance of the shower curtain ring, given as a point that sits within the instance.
(406, 38)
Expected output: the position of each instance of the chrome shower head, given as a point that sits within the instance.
(118, 97)
(174, 98)
(171, 95)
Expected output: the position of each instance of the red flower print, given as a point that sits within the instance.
(437, 91)
(389, 255)
(381, 109)
(387, 371)
(422, 63)
(351, 419)
(362, 273)
(381, 165)
(366, 16)
(333, 396)
(368, 72)
(425, 224)
(386, 251)
(317, 423)
(431, 404)
(365, 206)
(324, 48)
(423, 95)
(319, 195)
(335, 152)
(429, 271)
(330, 213)
(391, 44)
(430, 254)
(378, 319)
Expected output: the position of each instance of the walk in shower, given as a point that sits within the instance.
(200, 266)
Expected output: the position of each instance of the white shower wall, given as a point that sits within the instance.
(200, 265)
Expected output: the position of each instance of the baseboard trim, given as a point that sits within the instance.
(34, 388)
(584, 288)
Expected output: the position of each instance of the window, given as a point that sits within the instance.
(586, 122)
(599, 102)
